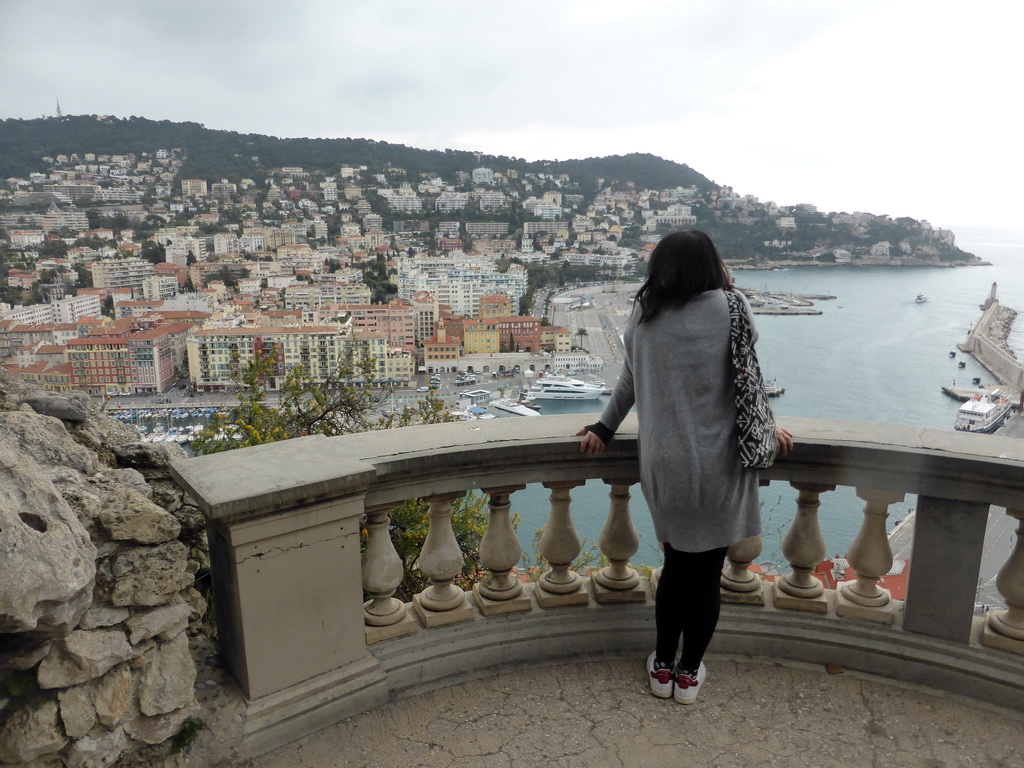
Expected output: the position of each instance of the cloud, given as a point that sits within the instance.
(849, 103)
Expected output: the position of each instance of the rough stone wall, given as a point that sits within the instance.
(99, 552)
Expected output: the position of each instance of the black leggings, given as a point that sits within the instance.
(687, 604)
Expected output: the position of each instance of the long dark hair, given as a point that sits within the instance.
(682, 264)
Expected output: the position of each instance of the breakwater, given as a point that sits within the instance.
(987, 342)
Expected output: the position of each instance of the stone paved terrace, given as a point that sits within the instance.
(600, 714)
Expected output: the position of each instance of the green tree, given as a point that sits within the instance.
(342, 404)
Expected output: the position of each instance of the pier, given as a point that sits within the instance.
(986, 342)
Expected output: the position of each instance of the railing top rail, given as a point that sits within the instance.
(391, 466)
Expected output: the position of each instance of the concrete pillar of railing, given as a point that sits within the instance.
(871, 557)
(560, 546)
(617, 582)
(500, 591)
(441, 561)
(804, 548)
(949, 538)
(1005, 629)
(284, 553)
(739, 583)
(384, 614)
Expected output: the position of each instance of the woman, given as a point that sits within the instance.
(678, 372)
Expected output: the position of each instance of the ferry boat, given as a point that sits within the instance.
(983, 413)
(563, 388)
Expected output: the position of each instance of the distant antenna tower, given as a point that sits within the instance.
(59, 113)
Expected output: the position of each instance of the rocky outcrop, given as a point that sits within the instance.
(100, 552)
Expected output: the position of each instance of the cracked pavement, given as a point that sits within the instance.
(601, 713)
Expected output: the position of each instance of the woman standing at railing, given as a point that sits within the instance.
(678, 373)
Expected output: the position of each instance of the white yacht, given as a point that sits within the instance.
(983, 413)
(563, 388)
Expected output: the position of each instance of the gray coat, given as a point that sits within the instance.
(678, 373)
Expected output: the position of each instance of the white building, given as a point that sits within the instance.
(459, 281)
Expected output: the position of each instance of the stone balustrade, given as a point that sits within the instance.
(290, 567)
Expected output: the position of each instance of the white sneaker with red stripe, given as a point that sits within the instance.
(688, 683)
(660, 675)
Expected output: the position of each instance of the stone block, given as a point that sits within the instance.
(884, 614)
(993, 639)
(786, 601)
(429, 618)
(166, 683)
(756, 597)
(66, 406)
(406, 626)
(114, 692)
(82, 656)
(602, 594)
(77, 711)
(149, 575)
(489, 607)
(32, 730)
(165, 621)
(580, 596)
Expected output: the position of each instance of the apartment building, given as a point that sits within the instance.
(214, 354)
(451, 201)
(132, 358)
(441, 352)
(495, 305)
(460, 281)
(487, 228)
(193, 187)
(111, 275)
(555, 338)
(558, 228)
(67, 310)
(480, 337)
(396, 321)
(491, 201)
(519, 333)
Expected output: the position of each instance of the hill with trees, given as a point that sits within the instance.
(231, 155)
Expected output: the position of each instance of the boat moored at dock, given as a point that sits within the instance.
(983, 413)
(564, 388)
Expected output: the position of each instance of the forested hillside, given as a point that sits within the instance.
(226, 154)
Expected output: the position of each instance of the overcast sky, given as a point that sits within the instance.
(905, 107)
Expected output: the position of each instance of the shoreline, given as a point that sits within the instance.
(788, 263)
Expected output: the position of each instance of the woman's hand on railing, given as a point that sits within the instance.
(783, 440)
(590, 443)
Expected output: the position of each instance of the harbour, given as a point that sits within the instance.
(874, 354)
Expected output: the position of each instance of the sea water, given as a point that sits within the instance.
(875, 354)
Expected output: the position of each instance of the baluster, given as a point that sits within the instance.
(1005, 629)
(739, 583)
(384, 615)
(804, 548)
(617, 582)
(871, 557)
(441, 562)
(500, 592)
(560, 545)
